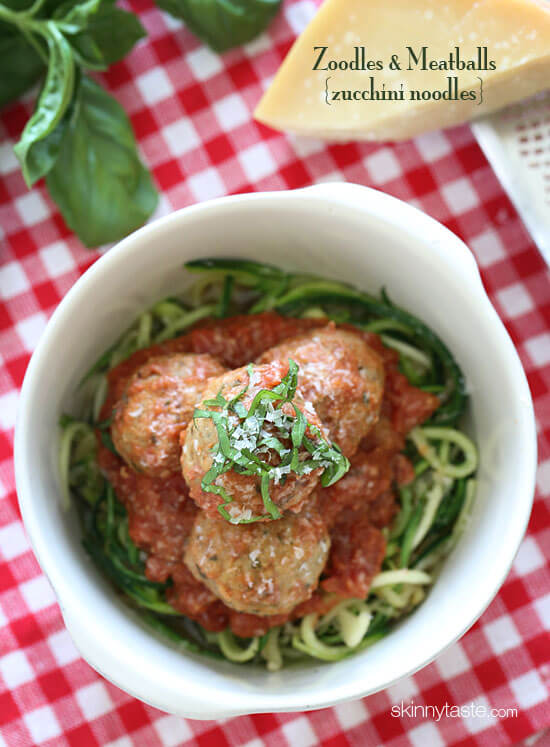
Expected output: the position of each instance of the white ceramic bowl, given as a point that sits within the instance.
(343, 231)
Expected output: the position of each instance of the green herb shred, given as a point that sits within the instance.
(233, 422)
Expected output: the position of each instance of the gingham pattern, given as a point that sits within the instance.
(191, 110)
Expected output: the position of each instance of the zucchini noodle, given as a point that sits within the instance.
(71, 432)
(184, 321)
(421, 437)
(401, 576)
(434, 509)
(233, 651)
(352, 617)
(396, 600)
(99, 396)
(415, 354)
(353, 627)
(271, 651)
(384, 325)
(464, 516)
(200, 287)
(314, 313)
(433, 499)
(307, 641)
(143, 337)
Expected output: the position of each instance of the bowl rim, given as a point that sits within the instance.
(370, 201)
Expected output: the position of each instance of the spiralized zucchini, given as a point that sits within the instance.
(434, 511)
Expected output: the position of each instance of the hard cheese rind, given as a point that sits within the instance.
(515, 32)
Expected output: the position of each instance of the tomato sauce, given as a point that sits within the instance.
(355, 509)
(240, 339)
(160, 518)
(356, 554)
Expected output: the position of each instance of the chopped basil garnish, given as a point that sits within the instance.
(248, 439)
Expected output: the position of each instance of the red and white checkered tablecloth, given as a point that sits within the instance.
(191, 110)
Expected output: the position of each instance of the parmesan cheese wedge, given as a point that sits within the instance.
(432, 40)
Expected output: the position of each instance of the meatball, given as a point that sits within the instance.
(341, 376)
(262, 569)
(288, 491)
(156, 405)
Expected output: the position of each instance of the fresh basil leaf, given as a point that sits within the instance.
(20, 64)
(109, 36)
(88, 54)
(74, 19)
(103, 190)
(57, 8)
(52, 103)
(17, 5)
(223, 24)
(46, 150)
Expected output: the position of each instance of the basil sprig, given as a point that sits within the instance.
(52, 104)
(223, 24)
(265, 429)
(78, 136)
(98, 148)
